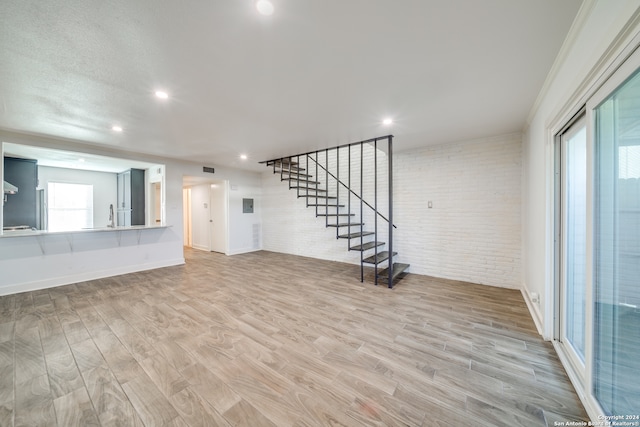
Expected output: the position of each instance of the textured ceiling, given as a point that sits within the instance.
(314, 74)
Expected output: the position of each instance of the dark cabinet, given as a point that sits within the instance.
(131, 198)
(20, 208)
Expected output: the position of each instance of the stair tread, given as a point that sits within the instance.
(342, 214)
(355, 235)
(398, 269)
(346, 224)
(308, 188)
(293, 173)
(282, 161)
(378, 258)
(366, 246)
(325, 205)
(317, 196)
(306, 181)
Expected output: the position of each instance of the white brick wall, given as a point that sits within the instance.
(472, 233)
(290, 227)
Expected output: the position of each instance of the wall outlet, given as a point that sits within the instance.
(535, 297)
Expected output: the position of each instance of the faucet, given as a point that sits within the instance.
(112, 223)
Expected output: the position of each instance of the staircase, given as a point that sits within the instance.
(319, 178)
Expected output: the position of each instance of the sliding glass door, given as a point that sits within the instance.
(572, 189)
(597, 232)
(616, 369)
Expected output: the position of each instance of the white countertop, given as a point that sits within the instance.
(28, 233)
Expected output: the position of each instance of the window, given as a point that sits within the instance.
(617, 251)
(70, 206)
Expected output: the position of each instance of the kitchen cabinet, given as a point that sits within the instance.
(131, 198)
(20, 209)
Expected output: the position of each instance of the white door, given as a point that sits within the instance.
(201, 217)
(218, 218)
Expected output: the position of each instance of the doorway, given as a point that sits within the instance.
(155, 203)
(205, 208)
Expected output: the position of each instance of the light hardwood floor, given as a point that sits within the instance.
(266, 339)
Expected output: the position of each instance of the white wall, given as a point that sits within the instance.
(246, 228)
(105, 188)
(290, 227)
(28, 263)
(472, 232)
(590, 48)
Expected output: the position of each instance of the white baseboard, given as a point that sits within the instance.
(242, 251)
(534, 310)
(85, 276)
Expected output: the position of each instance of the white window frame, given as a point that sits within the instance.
(50, 208)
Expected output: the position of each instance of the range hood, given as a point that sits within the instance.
(9, 188)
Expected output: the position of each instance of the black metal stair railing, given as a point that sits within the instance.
(323, 190)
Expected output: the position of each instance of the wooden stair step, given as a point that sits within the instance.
(330, 205)
(355, 235)
(303, 181)
(366, 246)
(318, 196)
(292, 173)
(285, 161)
(320, 190)
(378, 258)
(398, 269)
(333, 214)
(346, 224)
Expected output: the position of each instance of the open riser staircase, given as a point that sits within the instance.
(351, 187)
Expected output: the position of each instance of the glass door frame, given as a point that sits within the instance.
(626, 71)
(617, 75)
(578, 121)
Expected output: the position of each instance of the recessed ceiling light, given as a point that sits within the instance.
(162, 94)
(387, 121)
(243, 156)
(116, 128)
(81, 160)
(265, 7)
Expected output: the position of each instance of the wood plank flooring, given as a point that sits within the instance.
(266, 339)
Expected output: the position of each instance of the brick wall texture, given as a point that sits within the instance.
(472, 232)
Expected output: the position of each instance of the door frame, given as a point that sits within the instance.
(608, 78)
(224, 186)
(560, 255)
(188, 182)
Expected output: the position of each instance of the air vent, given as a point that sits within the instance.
(208, 169)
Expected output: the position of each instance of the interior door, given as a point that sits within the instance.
(218, 218)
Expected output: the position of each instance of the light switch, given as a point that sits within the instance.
(429, 204)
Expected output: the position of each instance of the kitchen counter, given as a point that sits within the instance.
(20, 232)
